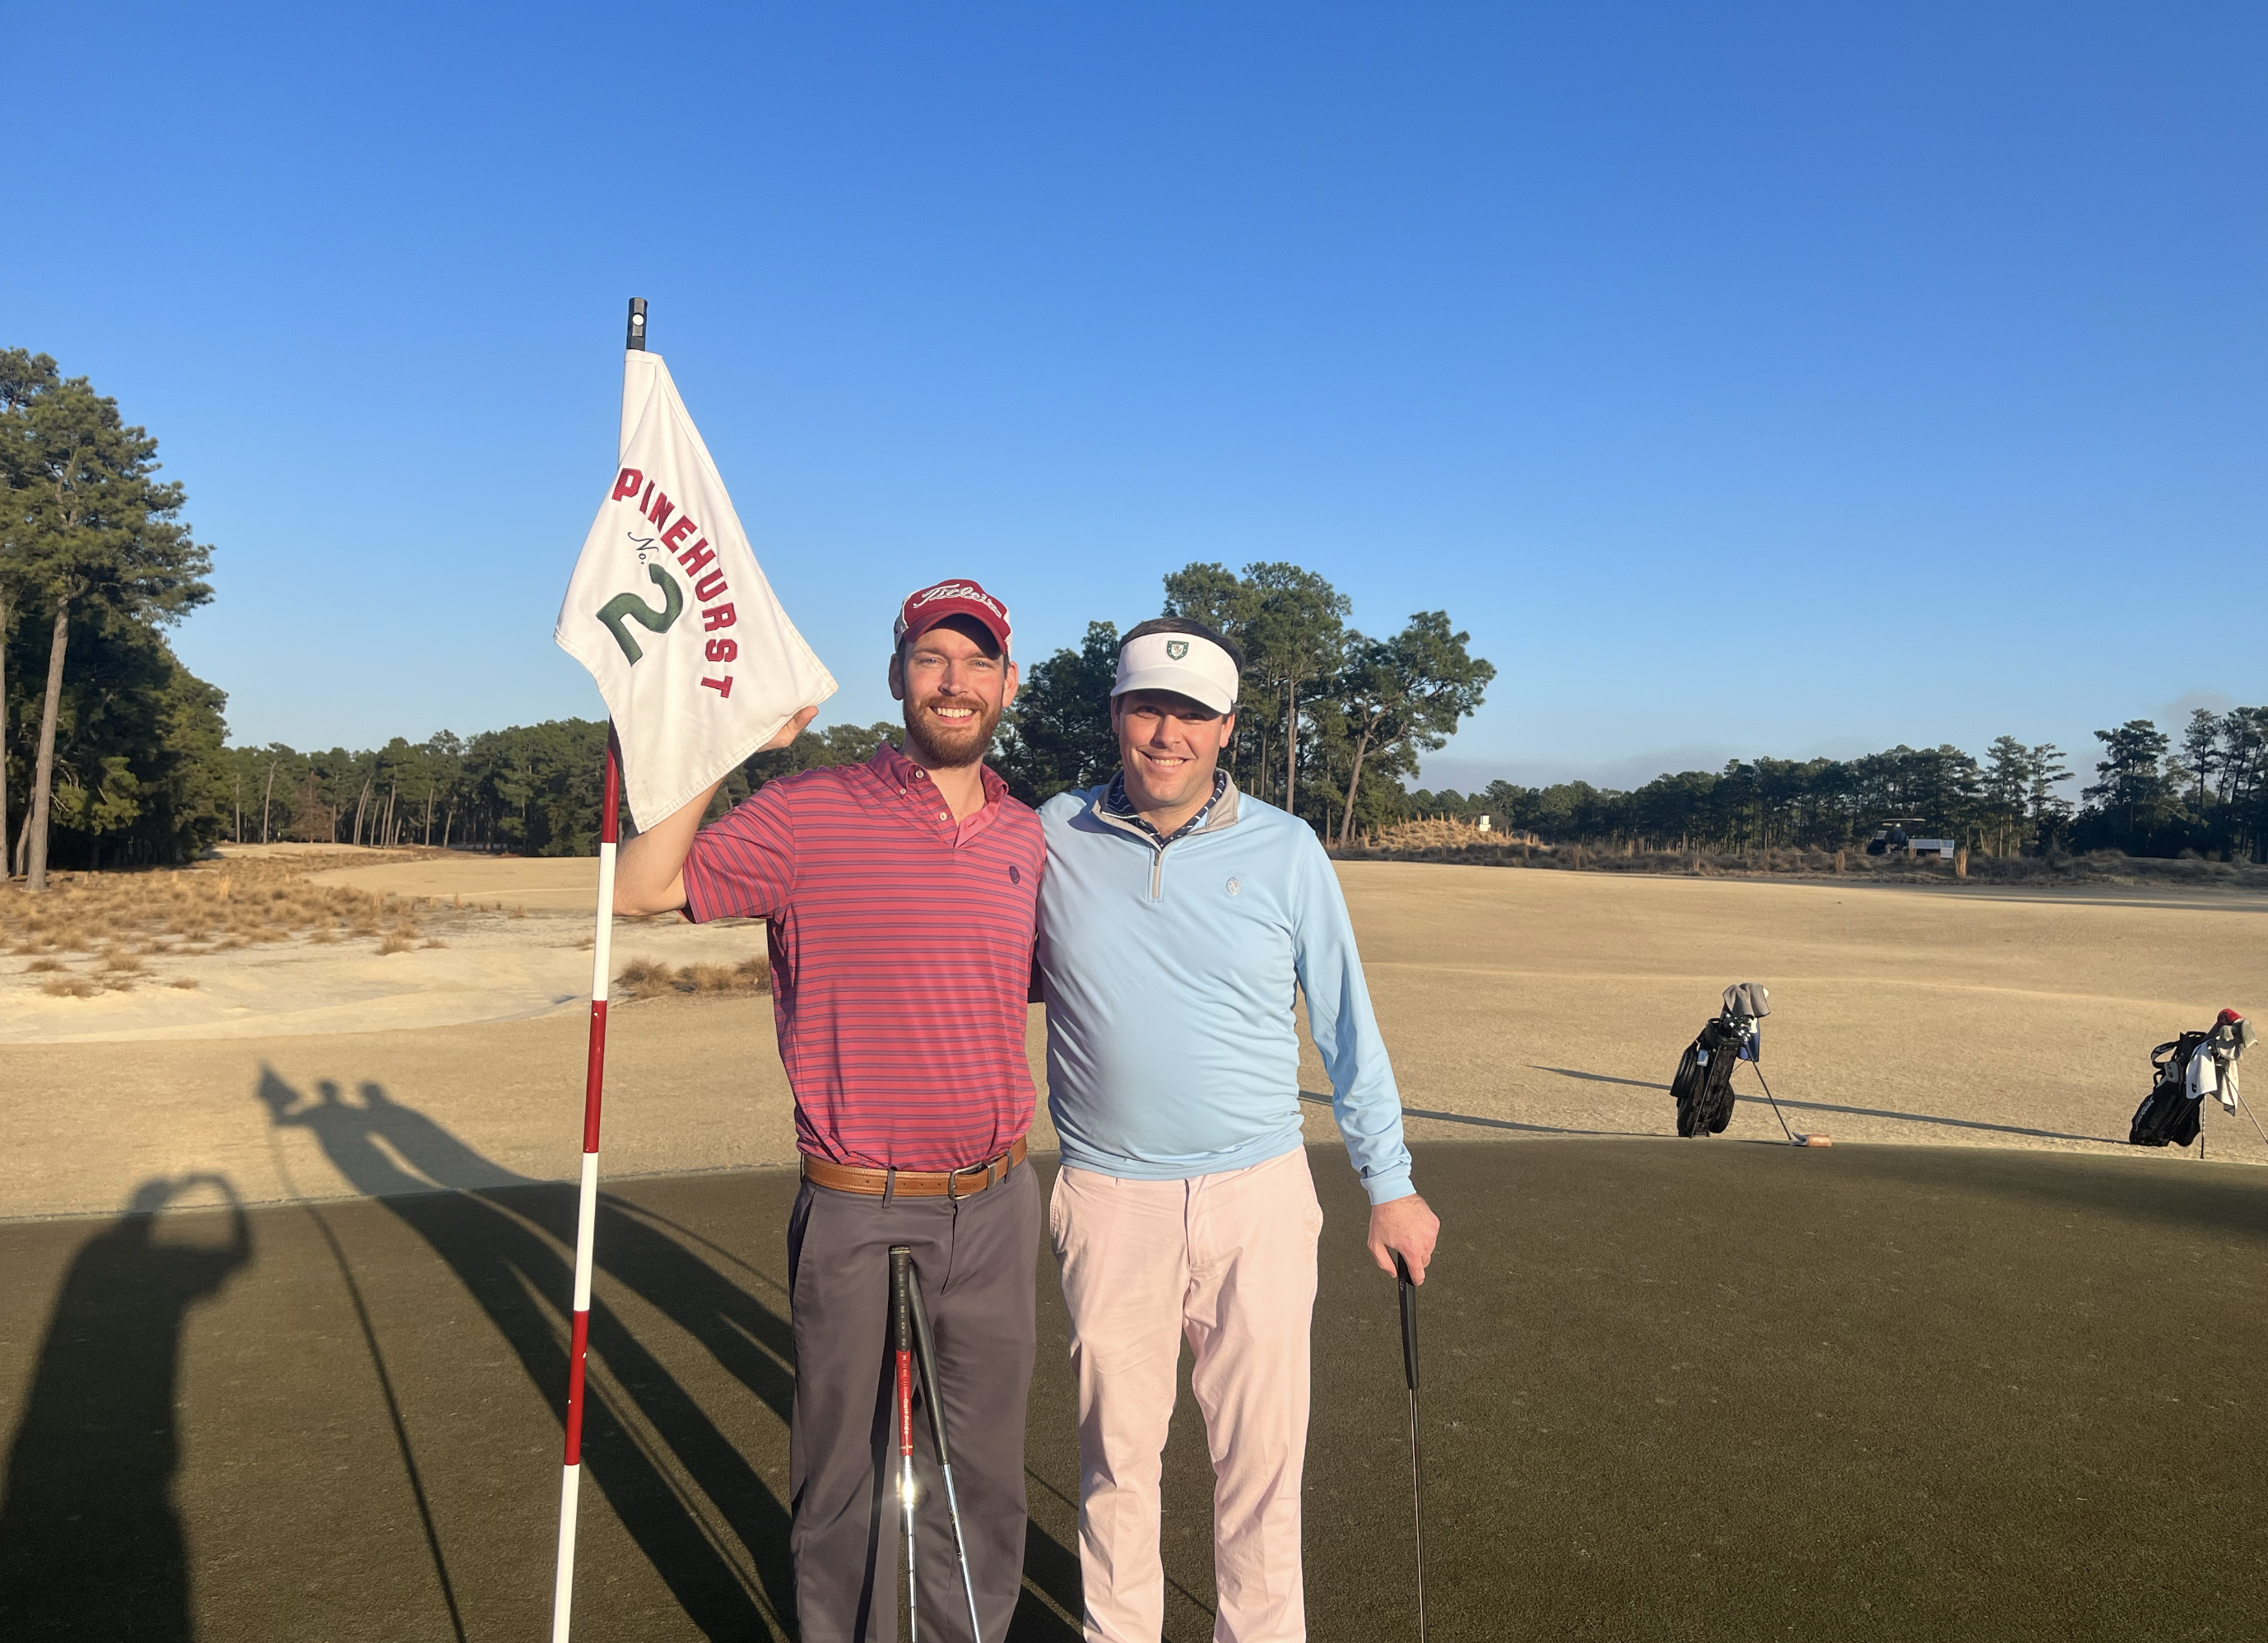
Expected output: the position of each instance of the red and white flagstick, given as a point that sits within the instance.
(587, 1212)
(562, 1591)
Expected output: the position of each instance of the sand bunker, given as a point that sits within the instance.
(254, 947)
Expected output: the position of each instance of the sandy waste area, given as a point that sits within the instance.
(1515, 1004)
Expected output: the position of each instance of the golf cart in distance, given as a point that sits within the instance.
(1892, 839)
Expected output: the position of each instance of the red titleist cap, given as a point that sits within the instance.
(925, 608)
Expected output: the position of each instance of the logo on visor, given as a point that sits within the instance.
(1175, 649)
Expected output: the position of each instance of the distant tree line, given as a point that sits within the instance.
(1325, 712)
(531, 790)
(2209, 795)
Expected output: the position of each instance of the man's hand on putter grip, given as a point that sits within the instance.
(1404, 1226)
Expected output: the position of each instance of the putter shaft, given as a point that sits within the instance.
(926, 1357)
(1408, 1296)
(901, 1330)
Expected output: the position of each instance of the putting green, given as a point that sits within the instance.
(1675, 1389)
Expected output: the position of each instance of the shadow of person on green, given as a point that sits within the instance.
(90, 1542)
(507, 1238)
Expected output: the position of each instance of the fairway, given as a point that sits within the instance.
(1515, 1003)
(1672, 1391)
(1558, 1002)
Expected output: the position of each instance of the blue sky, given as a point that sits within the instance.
(1784, 379)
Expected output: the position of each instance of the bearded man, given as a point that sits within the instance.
(900, 894)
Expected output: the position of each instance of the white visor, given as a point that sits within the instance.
(1187, 664)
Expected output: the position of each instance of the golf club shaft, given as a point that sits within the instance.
(902, 1331)
(925, 1359)
(1408, 1297)
(1784, 1130)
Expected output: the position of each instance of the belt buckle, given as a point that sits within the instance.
(952, 1179)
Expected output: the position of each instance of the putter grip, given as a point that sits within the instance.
(1409, 1292)
(902, 1259)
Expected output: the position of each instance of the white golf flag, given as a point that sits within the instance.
(698, 664)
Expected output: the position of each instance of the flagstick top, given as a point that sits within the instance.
(636, 338)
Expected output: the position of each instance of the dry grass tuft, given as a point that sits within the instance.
(398, 941)
(70, 987)
(1432, 834)
(123, 962)
(253, 900)
(432, 941)
(706, 978)
(38, 966)
(643, 978)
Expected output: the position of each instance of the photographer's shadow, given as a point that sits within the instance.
(91, 1542)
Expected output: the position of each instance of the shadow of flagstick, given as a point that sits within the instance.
(385, 1384)
(502, 1234)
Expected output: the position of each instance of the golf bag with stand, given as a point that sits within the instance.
(2183, 1073)
(1703, 1087)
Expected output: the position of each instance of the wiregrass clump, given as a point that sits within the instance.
(210, 907)
(644, 978)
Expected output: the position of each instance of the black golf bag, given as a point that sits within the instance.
(2183, 1073)
(2170, 1116)
(1703, 1087)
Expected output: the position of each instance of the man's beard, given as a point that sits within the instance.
(942, 749)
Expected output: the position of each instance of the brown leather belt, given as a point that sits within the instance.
(912, 1183)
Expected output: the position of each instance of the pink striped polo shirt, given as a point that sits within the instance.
(901, 955)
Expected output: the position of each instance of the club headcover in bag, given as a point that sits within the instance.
(1745, 998)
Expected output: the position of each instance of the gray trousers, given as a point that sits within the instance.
(978, 1265)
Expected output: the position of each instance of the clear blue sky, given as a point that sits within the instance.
(1788, 380)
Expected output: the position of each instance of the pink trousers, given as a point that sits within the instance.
(1229, 1262)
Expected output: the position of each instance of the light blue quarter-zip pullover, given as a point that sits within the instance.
(1169, 966)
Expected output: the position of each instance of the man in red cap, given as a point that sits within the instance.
(900, 896)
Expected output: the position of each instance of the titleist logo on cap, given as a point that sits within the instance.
(924, 608)
(968, 590)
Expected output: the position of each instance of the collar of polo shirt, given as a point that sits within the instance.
(1187, 664)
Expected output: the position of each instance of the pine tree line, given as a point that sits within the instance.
(2208, 796)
